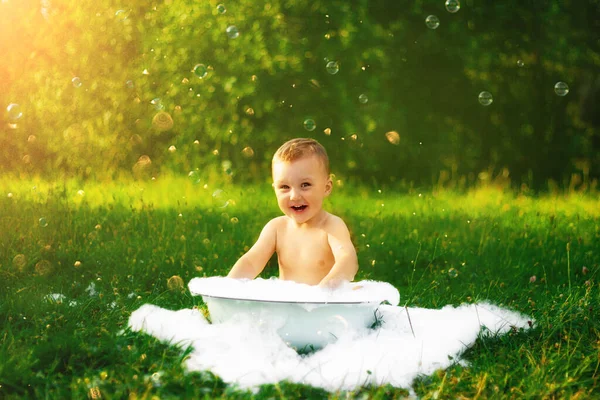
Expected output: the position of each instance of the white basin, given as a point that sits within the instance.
(300, 322)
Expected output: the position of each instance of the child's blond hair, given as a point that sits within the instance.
(301, 147)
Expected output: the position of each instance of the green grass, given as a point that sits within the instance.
(436, 248)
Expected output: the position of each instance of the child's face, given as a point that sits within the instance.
(300, 187)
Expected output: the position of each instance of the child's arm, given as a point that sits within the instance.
(253, 262)
(346, 261)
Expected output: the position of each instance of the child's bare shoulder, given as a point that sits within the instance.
(276, 223)
(335, 223)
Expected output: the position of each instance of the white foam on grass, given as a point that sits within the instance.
(249, 353)
(91, 289)
(56, 298)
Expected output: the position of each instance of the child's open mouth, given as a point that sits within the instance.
(299, 208)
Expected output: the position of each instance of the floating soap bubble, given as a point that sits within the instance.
(76, 81)
(135, 139)
(309, 124)
(143, 163)
(122, 14)
(452, 273)
(393, 137)
(327, 131)
(485, 98)
(9, 195)
(175, 283)
(520, 63)
(332, 67)
(129, 83)
(221, 9)
(43, 223)
(248, 152)
(80, 193)
(162, 121)
(200, 70)
(232, 32)
(155, 379)
(452, 5)
(432, 22)
(43, 267)
(194, 177)
(561, 88)
(234, 220)
(31, 139)
(14, 112)
(19, 261)
(226, 166)
(157, 103)
(172, 149)
(219, 198)
(363, 99)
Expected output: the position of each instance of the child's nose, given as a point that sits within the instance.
(294, 194)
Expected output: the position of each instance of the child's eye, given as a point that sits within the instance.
(305, 184)
(284, 187)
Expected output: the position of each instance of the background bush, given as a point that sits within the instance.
(133, 61)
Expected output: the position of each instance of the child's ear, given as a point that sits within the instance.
(328, 187)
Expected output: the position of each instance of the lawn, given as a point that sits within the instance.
(110, 247)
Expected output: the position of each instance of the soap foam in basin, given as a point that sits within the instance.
(275, 290)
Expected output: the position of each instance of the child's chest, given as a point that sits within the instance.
(306, 248)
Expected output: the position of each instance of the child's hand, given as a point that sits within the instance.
(332, 283)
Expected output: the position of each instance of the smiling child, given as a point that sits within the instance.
(312, 245)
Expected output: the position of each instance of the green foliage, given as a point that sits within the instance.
(129, 238)
(262, 85)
